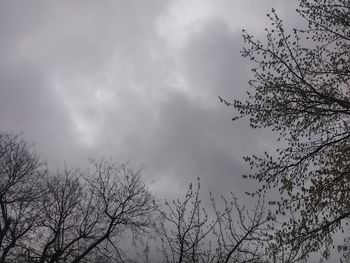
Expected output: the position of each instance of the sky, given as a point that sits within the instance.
(137, 81)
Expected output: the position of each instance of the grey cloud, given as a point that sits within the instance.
(53, 52)
(55, 56)
(104, 64)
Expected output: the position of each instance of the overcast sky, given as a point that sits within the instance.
(136, 81)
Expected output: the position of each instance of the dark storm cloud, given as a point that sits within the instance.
(189, 134)
(212, 62)
(195, 136)
(193, 141)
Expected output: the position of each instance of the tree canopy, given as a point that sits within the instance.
(301, 90)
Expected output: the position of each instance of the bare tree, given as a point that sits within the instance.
(241, 234)
(232, 235)
(72, 216)
(301, 90)
(21, 176)
(88, 215)
(184, 227)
